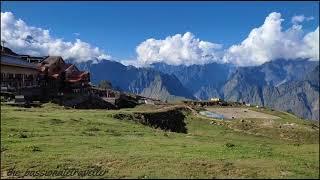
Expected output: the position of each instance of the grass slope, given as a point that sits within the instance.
(53, 138)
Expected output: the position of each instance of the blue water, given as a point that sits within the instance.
(212, 115)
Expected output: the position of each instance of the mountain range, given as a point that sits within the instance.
(288, 85)
(144, 81)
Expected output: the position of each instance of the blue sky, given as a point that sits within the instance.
(119, 27)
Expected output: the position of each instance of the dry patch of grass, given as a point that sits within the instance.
(238, 113)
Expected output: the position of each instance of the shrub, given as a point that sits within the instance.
(35, 148)
(22, 135)
(229, 145)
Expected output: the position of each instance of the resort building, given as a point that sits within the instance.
(17, 73)
(49, 73)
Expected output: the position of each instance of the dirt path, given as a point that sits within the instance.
(230, 113)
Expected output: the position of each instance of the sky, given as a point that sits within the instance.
(172, 32)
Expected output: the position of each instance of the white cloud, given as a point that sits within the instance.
(300, 18)
(310, 46)
(270, 42)
(132, 62)
(178, 49)
(265, 43)
(76, 34)
(25, 39)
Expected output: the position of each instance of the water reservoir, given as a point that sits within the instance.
(212, 115)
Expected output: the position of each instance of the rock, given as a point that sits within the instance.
(168, 120)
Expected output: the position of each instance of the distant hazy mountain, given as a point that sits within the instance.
(203, 81)
(280, 71)
(145, 81)
(166, 87)
(313, 76)
(284, 85)
(289, 85)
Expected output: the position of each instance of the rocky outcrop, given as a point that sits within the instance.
(171, 119)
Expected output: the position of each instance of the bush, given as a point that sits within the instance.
(34, 148)
(22, 135)
(229, 145)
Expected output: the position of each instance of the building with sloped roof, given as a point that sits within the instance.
(17, 73)
(51, 73)
(59, 74)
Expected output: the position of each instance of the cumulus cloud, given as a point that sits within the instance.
(270, 42)
(178, 49)
(265, 43)
(300, 18)
(310, 48)
(25, 39)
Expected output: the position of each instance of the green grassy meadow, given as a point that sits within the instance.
(52, 137)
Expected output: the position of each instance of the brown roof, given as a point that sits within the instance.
(56, 66)
(72, 68)
(52, 59)
(78, 76)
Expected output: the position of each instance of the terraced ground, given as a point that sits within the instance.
(54, 138)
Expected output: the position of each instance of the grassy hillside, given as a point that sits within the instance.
(51, 138)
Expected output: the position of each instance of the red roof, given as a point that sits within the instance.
(56, 66)
(75, 77)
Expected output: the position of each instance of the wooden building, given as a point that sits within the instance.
(56, 74)
(51, 74)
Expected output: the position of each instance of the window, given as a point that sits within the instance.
(3, 76)
(18, 76)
